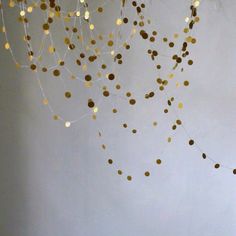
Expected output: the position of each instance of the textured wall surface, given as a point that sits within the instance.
(56, 181)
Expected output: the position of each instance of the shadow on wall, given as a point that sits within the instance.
(13, 170)
(26, 169)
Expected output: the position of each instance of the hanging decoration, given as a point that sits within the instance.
(81, 58)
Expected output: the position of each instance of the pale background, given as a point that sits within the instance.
(56, 181)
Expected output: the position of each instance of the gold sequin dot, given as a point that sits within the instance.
(217, 166)
(22, 13)
(68, 94)
(191, 142)
(56, 72)
(178, 122)
(111, 76)
(88, 77)
(132, 101)
(106, 93)
(190, 62)
(56, 117)
(95, 109)
(186, 83)
(134, 131)
(45, 101)
(118, 86)
(7, 46)
(91, 26)
(158, 161)
(33, 67)
(169, 139)
(147, 173)
(67, 124)
(119, 21)
(180, 105)
(196, 3)
(129, 178)
(91, 103)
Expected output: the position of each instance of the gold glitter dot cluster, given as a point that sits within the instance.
(89, 50)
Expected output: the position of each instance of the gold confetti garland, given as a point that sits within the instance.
(56, 72)
(191, 141)
(117, 58)
(154, 54)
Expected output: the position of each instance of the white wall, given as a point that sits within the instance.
(56, 181)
